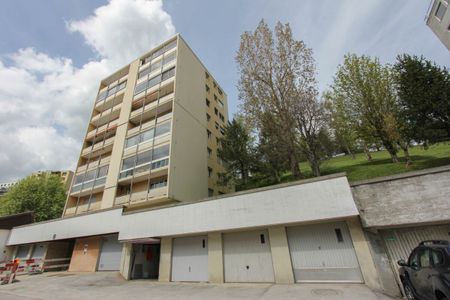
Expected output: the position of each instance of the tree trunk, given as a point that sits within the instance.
(294, 166)
(367, 152)
(405, 149)
(350, 152)
(315, 167)
(425, 145)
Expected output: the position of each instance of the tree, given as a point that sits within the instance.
(368, 97)
(423, 90)
(277, 77)
(44, 195)
(238, 152)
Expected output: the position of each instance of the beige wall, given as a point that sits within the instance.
(125, 262)
(281, 258)
(365, 259)
(188, 155)
(215, 258)
(165, 260)
(85, 261)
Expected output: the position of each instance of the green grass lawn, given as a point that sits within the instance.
(381, 165)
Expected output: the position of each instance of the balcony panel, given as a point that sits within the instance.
(144, 175)
(94, 164)
(98, 149)
(149, 111)
(110, 102)
(105, 129)
(158, 195)
(110, 114)
(88, 190)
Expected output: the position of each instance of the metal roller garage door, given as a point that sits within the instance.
(190, 259)
(247, 257)
(110, 254)
(323, 252)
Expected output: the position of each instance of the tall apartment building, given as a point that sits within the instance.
(153, 135)
(439, 21)
(66, 176)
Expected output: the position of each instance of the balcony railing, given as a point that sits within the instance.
(94, 164)
(144, 168)
(142, 196)
(98, 146)
(103, 129)
(88, 184)
(106, 115)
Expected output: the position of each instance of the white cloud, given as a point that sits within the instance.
(46, 101)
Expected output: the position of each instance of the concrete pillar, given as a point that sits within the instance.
(215, 258)
(365, 259)
(30, 251)
(109, 193)
(282, 265)
(125, 260)
(165, 260)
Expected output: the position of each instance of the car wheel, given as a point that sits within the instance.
(409, 294)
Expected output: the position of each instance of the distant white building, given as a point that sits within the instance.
(438, 20)
(5, 187)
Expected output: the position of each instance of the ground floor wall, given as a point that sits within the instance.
(85, 255)
(279, 252)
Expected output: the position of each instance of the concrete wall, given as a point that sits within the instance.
(215, 257)
(326, 198)
(440, 27)
(85, 255)
(281, 257)
(406, 199)
(4, 253)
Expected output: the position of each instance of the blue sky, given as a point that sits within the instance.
(48, 42)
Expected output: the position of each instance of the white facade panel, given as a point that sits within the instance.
(110, 254)
(247, 257)
(323, 252)
(39, 251)
(190, 259)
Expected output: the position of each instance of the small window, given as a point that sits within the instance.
(440, 11)
(424, 258)
(207, 102)
(206, 75)
(339, 236)
(207, 87)
(203, 243)
(208, 117)
(262, 238)
(208, 133)
(210, 172)
(209, 152)
(215, 84)
(217, 125)
(216, 112)
(220, 91)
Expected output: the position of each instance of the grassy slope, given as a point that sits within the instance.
(381, 165)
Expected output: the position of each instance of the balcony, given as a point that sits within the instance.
(143, 89)
(109, 114)
(94, 164)
(133, 198)
(98, 149)
(107, 129)
(110, 101)
(159, 168)
(86, 188)
(149, 124)
(82, 208)
(149, 111)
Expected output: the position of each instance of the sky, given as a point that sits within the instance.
(54, 53)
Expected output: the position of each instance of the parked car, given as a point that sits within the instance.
(426, 274)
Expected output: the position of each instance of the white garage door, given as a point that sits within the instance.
(110, 254)
(190, 259)
(247, 257)
(323, 252)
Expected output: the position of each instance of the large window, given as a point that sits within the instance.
(89, 179)
(154, 81)
(160, 51)
(147, 135)
(158, 184)
(153, 158)
(114, 88)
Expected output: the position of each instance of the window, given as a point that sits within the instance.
(206, 75)
(208, 117)
(169, 58)
(209, 152)
(220, 103)
(215, 97)
(210, 172)
(155, 66)
(217, 125)
(222, 130)
(161, 152)
(437, 257)
(413, 260)
(134, 140)
(216, 112)
(168, 74)
(140, 87)
(208, 133)
(207, 87)
(102, 171)
(144, 157)
(221, 117)
(262, 238)
(147, 135)
(339, 236)
(210, 192)
(220, 91)
(143, 73)
(424, 258)
(207, 102)
(215, 84)
(440, 11)
(158, 184)
(128, 163)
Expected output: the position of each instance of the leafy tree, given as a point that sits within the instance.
(238, 152)
(423, 90)
(44, 195)
(277, 77)
(368, 97)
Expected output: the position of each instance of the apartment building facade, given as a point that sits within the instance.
(65, 176)
(438, 20)
(153, 135)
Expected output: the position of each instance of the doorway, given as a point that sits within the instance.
(145, 261)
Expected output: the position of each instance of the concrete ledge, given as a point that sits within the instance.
(402, 176)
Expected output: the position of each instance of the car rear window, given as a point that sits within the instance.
(437, 257)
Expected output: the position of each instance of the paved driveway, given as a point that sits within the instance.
(110, 285)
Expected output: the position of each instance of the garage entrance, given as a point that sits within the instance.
(190, 259)
(145, 260)
(110, 253)
(247, 257)
(323, 252)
